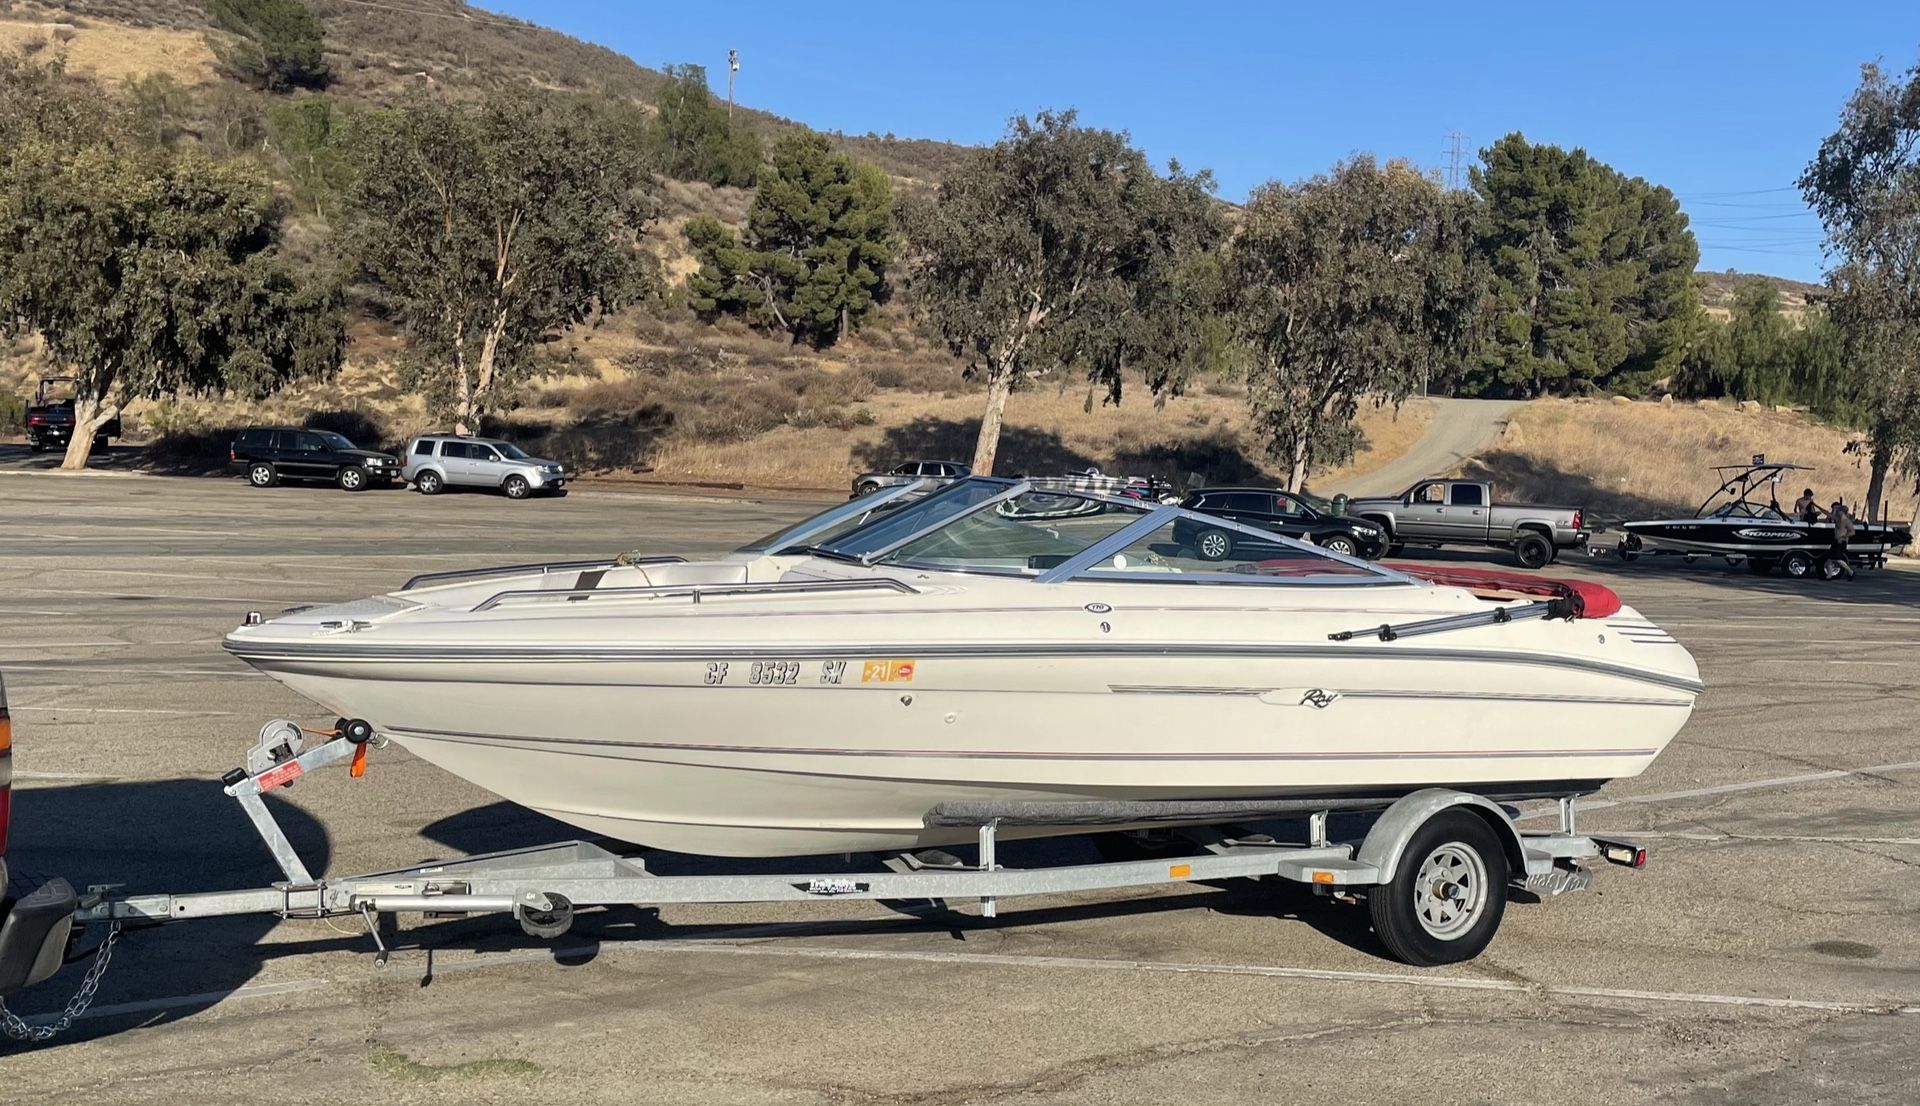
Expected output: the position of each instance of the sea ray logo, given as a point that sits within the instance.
(1318, 699)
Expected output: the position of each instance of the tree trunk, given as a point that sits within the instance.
(1877, 480)
(988, 444)
(1297, 477)
(842, 335)
(89, 415)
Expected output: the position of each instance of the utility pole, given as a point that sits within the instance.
(1454, 138)
(733, 66)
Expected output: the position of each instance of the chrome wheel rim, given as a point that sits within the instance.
(261, 474)
(1341, 546)
(1213, 544)
(1450, 892)
(350, 479)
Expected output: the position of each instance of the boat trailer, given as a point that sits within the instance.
(1445, 860)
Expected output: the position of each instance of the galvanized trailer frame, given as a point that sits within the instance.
(543, 886)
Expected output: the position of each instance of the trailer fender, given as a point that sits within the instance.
(1387, 840)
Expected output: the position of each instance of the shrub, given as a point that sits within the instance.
(13, 414)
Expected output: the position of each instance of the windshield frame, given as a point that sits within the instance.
(793, 535)
(1077, 569)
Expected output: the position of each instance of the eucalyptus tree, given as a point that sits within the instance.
(146, 272)
(1355, 286)
(494, 228)
(1059, 247)
(1864, 183)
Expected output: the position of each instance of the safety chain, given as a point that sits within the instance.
(17, 1028)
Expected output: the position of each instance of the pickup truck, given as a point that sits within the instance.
(50, 417)
(1438, 511)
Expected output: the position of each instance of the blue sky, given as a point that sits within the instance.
(1724, 103)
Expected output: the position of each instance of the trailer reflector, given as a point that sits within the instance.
(1179, 871)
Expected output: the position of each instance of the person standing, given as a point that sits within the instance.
(1843, 531)
(1806, 509)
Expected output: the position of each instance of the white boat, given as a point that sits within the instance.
(838, 687)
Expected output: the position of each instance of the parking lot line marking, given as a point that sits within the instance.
(123, 710)
(207, 998)
(1730, 788)
(1683, 835)
(1023, 963)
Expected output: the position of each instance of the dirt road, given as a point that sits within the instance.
(1460, 429)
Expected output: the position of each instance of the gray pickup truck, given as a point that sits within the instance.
(1439, 511)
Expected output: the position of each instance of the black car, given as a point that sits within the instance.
(1278, 511)
(270, 454)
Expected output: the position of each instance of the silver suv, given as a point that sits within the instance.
(434, 462)
(938, 473)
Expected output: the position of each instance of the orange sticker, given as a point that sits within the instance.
(886, 672)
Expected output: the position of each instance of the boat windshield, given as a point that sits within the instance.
(883, 532)
(1170, 552)
(1028, 533)
(844, 518)
(1743, 509)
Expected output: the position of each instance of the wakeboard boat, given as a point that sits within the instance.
(836, 686)
(1734, 521)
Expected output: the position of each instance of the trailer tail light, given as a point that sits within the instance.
(6, 774)
(1627, 856)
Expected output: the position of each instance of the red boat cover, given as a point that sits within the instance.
(1593, 600)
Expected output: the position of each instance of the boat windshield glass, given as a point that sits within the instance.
(1026, 534)
(889, 529)
(1744, 509)
(823, 528)
(1172, 553)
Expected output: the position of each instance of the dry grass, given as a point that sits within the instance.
(110, 52)
(1635, 460)
(1047, 431)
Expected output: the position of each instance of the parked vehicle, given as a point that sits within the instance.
(1278, 511)
(1144, 488)
(1438, 511)
(50, 419)
(941, 473)
(434, 462)
(270, 454)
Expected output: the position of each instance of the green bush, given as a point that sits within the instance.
(13, 414)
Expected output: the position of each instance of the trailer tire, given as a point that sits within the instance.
(1797, 564)
(546, 924)
(1446, 900)
(1532, 551)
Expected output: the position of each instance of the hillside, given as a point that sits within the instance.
(379, 52)
(1716, 292)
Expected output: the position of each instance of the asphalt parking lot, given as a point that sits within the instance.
(1769, 954)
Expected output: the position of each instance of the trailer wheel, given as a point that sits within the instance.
(1446, 900)
(1833, 566)
(1797, 564)
(546, 924)
(1532, 551)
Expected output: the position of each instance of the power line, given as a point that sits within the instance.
(1746, 192)
(1454, 172)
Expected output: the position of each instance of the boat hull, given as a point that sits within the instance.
(837, 750)
(1762, 537)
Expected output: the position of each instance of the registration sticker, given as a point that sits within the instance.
(887, 672)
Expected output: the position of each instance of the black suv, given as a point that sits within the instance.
(270, 454)
(1278, 511)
